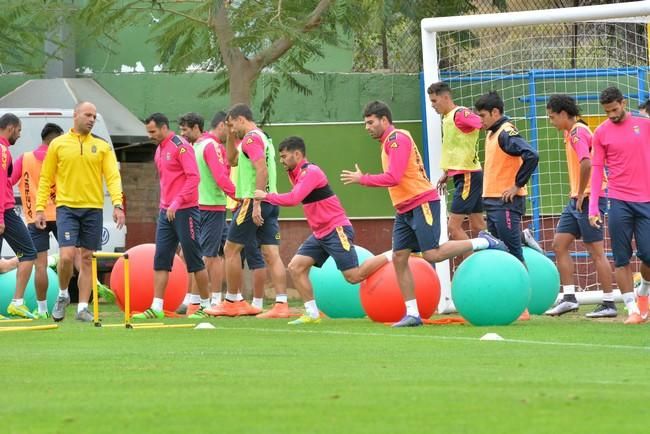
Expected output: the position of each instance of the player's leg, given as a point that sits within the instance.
(163, 259)
(268, 236)
(18, 238)
(90, 240)
(41, 240)
(621, 228)
(642, 237)
(593, 239)
(566, 232)
(67, 226)
(405, 242)
(252, 254)
(187, 228)
(310, 253)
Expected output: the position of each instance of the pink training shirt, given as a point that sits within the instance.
(253, 146)
(399, 158)
(6, 187)
(624, 148)
(323, 216)
(467, 123)
(17, 171)
(179, 173)
(214, 157)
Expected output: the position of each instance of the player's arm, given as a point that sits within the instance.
(3, 182)
(17, 170)
(398, 152)
(467, 121)
(112, 177)
(215, 161)
(306, 183)
(48, 173)
(187, 160)
(580, 143)
(513, 144)
(597, 168)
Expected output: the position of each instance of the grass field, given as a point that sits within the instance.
(550, 375)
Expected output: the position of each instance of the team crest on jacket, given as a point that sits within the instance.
(636, 130)
(513, 132)
(168, 156)
(93, 149)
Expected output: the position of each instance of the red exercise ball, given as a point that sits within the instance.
(141, 280)
(382, 299)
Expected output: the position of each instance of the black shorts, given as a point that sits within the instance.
(79, 227)
(468, 193)
(17, 236)
(184, 229)
(41, 237)
(418, 230)
(244, 231)
(212, 224)
(338, 244)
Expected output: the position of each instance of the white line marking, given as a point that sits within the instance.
(442, 338)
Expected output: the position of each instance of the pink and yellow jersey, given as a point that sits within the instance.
(577, 143)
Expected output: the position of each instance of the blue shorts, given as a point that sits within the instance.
(244, 231)
(210, 235)
(41, 237)
(627, 219)
(338, 244)
(504, 222)
(577, 223)
(17, 236)
(185, 229)
(250, 254)
(79, 227)
(468, 193)
(224, 237)
(418, 230)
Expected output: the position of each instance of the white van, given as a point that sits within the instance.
(33, 121)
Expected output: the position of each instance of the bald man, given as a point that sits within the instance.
(76, 162)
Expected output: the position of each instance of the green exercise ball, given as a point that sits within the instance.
(334, 296)
(491, 287)
(544, 281)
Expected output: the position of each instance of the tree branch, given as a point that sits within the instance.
(218, 20)
(282, 45)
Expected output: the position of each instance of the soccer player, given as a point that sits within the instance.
(178, 220)
(459, 160)
(644, 108)
(509, 163)
(622, 144)
(254, 219)
(417, 224)
(214, 187)
(76, 162)
(12, 228)
(332, 232)
(26, 173)
(563, 114)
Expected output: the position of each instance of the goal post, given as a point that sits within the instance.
(527, 56)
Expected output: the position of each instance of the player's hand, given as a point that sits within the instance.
(260, 195)
(171, 214)
(352, 177)
(441, 186)
(257, 213)
(2, 228)
(510, 194)
(40, 221)
(579, 200)
(119, 217)
(595, 221)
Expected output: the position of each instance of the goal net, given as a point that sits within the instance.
(526, 57)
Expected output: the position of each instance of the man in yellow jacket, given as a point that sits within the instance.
(76, 162)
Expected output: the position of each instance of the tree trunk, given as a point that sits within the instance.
(242, 76)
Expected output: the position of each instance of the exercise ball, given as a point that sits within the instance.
(491, 287)
(544, 281)
(141, 280)
(382, 298)
(335, 296)
(8, 287)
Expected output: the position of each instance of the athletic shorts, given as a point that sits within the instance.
(627, 220)
(210, 235)
(418, 230)
(244, 231)
(468, 193)
(184, 229)
(41, 237)
(79, 227)
(17, 237)
(250, 254)
(338, 244)
(577, 223)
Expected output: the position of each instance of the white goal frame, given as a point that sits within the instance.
(431, 26)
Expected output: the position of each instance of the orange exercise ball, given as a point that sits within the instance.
(141, 280)
(382, 299)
